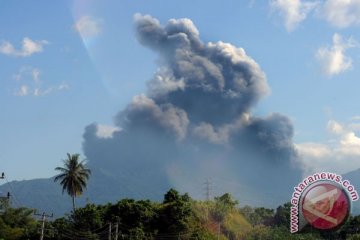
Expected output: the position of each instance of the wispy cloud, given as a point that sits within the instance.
(338, 13)
(30, 84)
(29, 47)
(333, 59)
(341, 13)
(23, 91)
(88, 26)
(293, 11)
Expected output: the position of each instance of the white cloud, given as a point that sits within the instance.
(333, 59)
(106, 131)
(293, 11)
(335, 127)
(341, 13)
(30, 84)
(350, 140)
(88, 26)
(316, 150)
(41, 92)
(27, 72)
(36, 75)
(23, 91)
(29, 47)
(341, 154)
(338, 13)
(7, 48)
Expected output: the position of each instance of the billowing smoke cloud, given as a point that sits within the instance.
(195, 122)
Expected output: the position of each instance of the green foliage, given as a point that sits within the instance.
(171, 196)
(282, 215)
(226, 200)
(352, 226)
(87, 218)
(276, 233)
(133, 215)
(175, 212)
(137, 234)
(232, 225)
(60, 226)
(258, 232)
(258, 216)
(235, 225)
(354, 237)
(141, 219)
(17, 223)
(203, 234)
(179, 217)
(4, 204)
(223, 205)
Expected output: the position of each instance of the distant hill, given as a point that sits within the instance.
(40, 194)
(354, 178)
(45, 194)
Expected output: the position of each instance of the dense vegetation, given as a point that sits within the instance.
(16, 223)
(177, 217)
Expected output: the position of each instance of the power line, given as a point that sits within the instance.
(80, 235)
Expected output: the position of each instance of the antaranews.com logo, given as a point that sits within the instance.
(322, 200)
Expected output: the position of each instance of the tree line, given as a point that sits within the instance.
(178, 216)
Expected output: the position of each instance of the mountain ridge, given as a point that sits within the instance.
(43, 194)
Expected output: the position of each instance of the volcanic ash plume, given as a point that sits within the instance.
(195, 122)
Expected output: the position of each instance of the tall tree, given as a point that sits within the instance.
(73, 176)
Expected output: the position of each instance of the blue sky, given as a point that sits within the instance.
(67, 64)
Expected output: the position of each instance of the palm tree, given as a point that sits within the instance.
(73, 176)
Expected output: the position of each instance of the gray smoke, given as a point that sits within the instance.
(195, 122)
(213, 82)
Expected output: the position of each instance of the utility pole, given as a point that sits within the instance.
(4, 200)
(109, 238)
(2, 176)
(43, 219)
(7, 197)
(116, 231)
